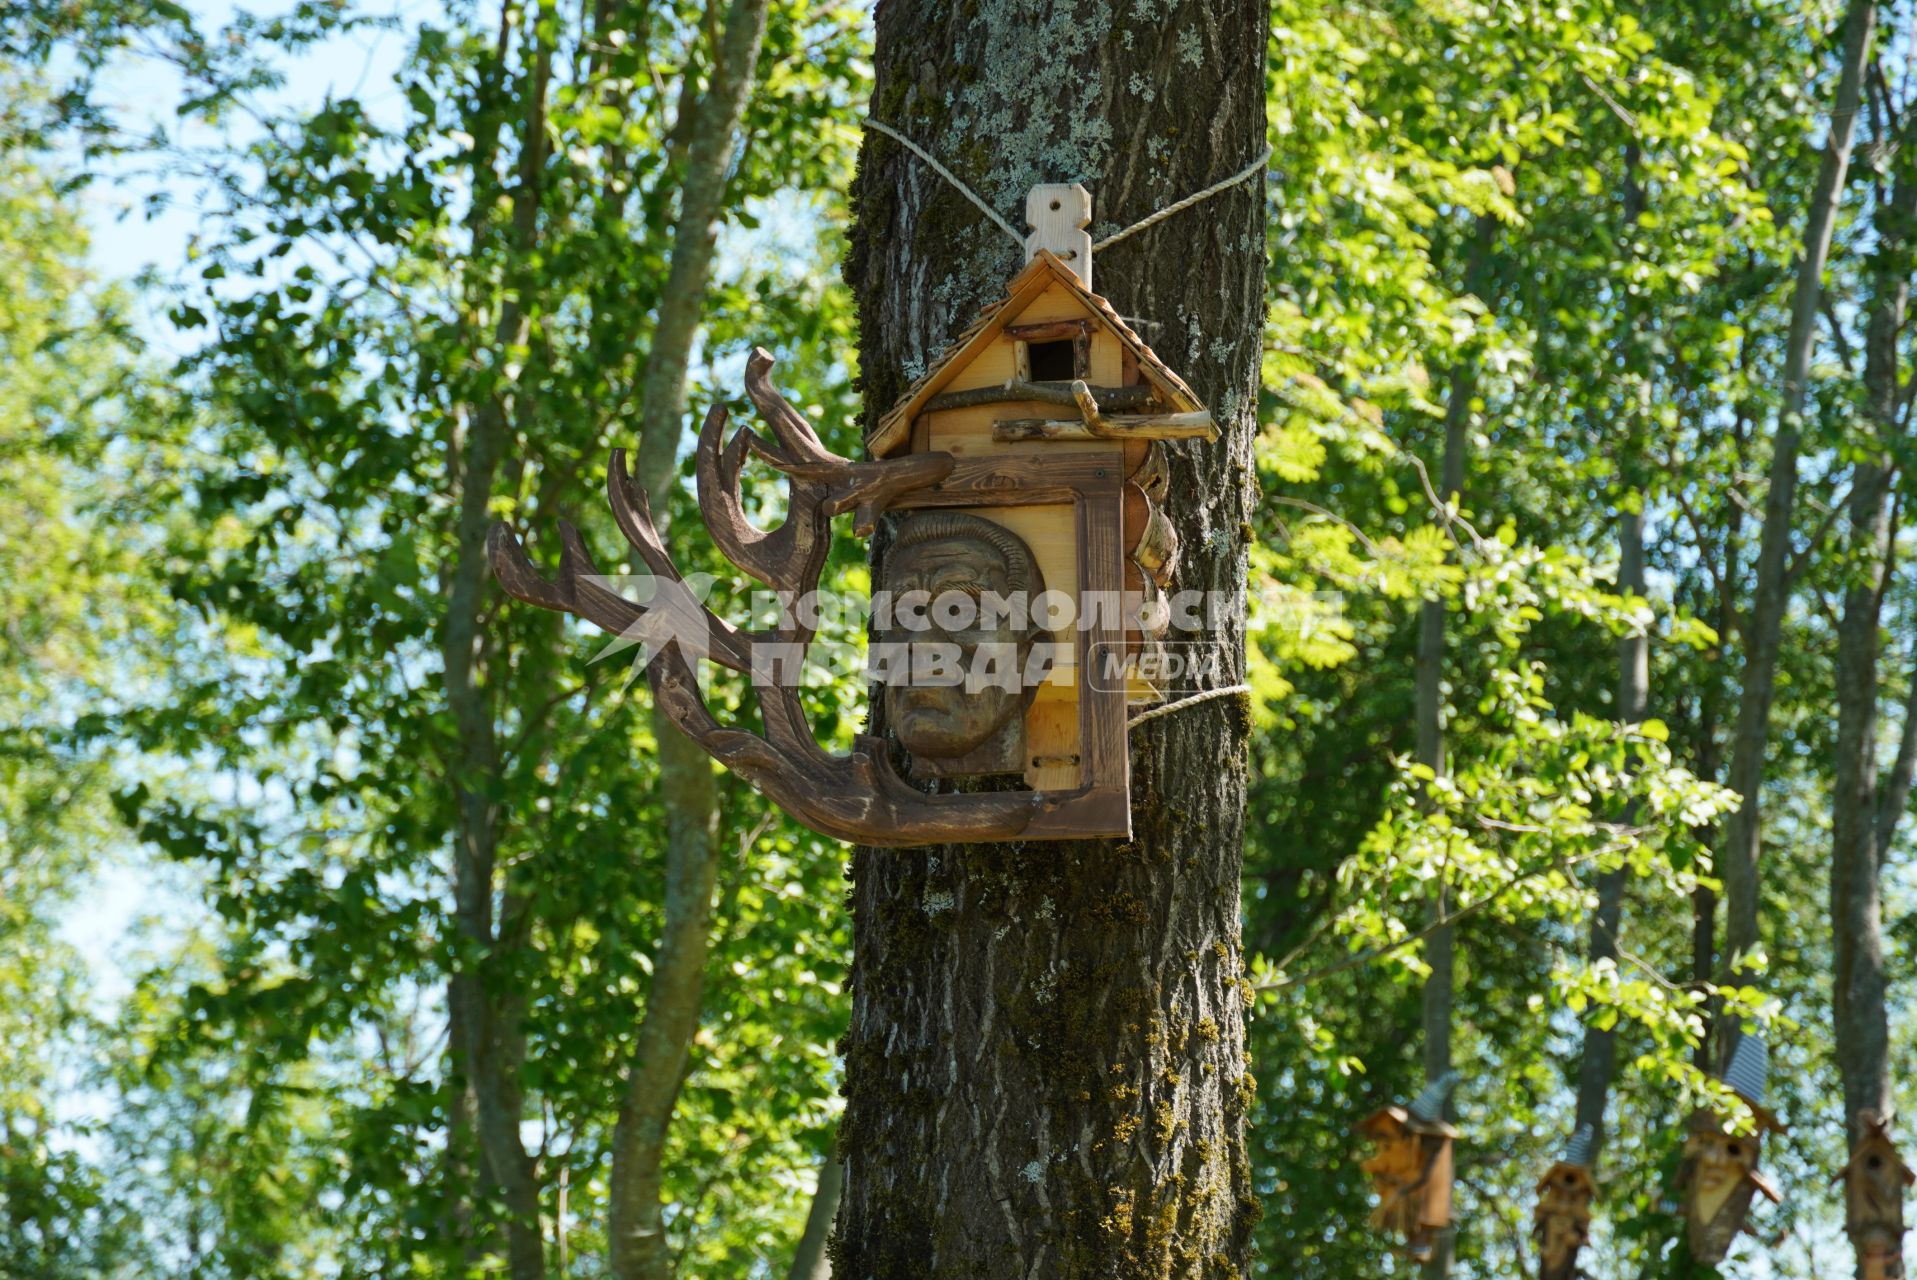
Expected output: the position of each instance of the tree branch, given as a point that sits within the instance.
(1895, 796)
(1444, 921)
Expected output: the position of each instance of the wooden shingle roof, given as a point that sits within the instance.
(1044, 270)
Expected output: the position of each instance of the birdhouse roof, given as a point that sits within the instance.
(1391, 1120)
(1879, 1144)
(1556, 1174)
(1044, 270)
(1384, 1120)
(1749, 1072)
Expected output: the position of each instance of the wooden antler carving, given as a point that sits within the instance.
(856, 796)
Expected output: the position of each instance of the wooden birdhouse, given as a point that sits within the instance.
(1561, 1222)
(1875, 1181)
(1411, 1171)
(1021, 481)
(1717, 1175)
(1717, 1179)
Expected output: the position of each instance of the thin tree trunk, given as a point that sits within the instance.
(1440, 948)
(1708, 763)
(636, 1236)
(1704, 916)
(1858, 982)
(1599, 1060)
(1771, 596)
(490, 1049)
(1045, 1068)
(809, 1260)
(1896, 790)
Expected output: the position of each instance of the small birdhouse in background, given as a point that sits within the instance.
(1718, 1177)
(1874, 1185)
(1561, 1223)
(1411, 1169)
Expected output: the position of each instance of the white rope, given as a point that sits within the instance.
(1182, 703)
(946, 174)
(1255, 167)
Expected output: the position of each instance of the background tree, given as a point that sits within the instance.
(1763, 628)
(412, 316)
(1870, 788)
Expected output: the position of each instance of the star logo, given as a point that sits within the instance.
(673, 613)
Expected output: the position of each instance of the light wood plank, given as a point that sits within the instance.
(1058, 214)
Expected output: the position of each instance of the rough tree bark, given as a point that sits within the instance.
(1763, 631)
(1045, 1068)
(636, 1237)
(487, 1043)
(1865, 809)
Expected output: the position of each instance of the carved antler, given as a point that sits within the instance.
(854, 797)
(821, 485)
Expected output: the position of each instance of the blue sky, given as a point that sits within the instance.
(130, 236)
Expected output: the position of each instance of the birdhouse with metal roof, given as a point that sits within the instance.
(1717, 1176)
(1561, 1221)
(1410, 1168)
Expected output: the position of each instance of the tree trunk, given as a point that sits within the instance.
(1599, 1060)
(809, 1261)
(1045, 1068)
(1713, 695)
(636, 1236)
(1440, 946)
(1771, 595)
(1858, 984)
(489, 1047)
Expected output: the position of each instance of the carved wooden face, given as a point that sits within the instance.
(951, 577)
(1875, 1181)
(1722, 1161)
(1396, 1164)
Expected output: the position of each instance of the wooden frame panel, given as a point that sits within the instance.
(1093, 484)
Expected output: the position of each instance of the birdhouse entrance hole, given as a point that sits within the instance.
(1054, 362)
